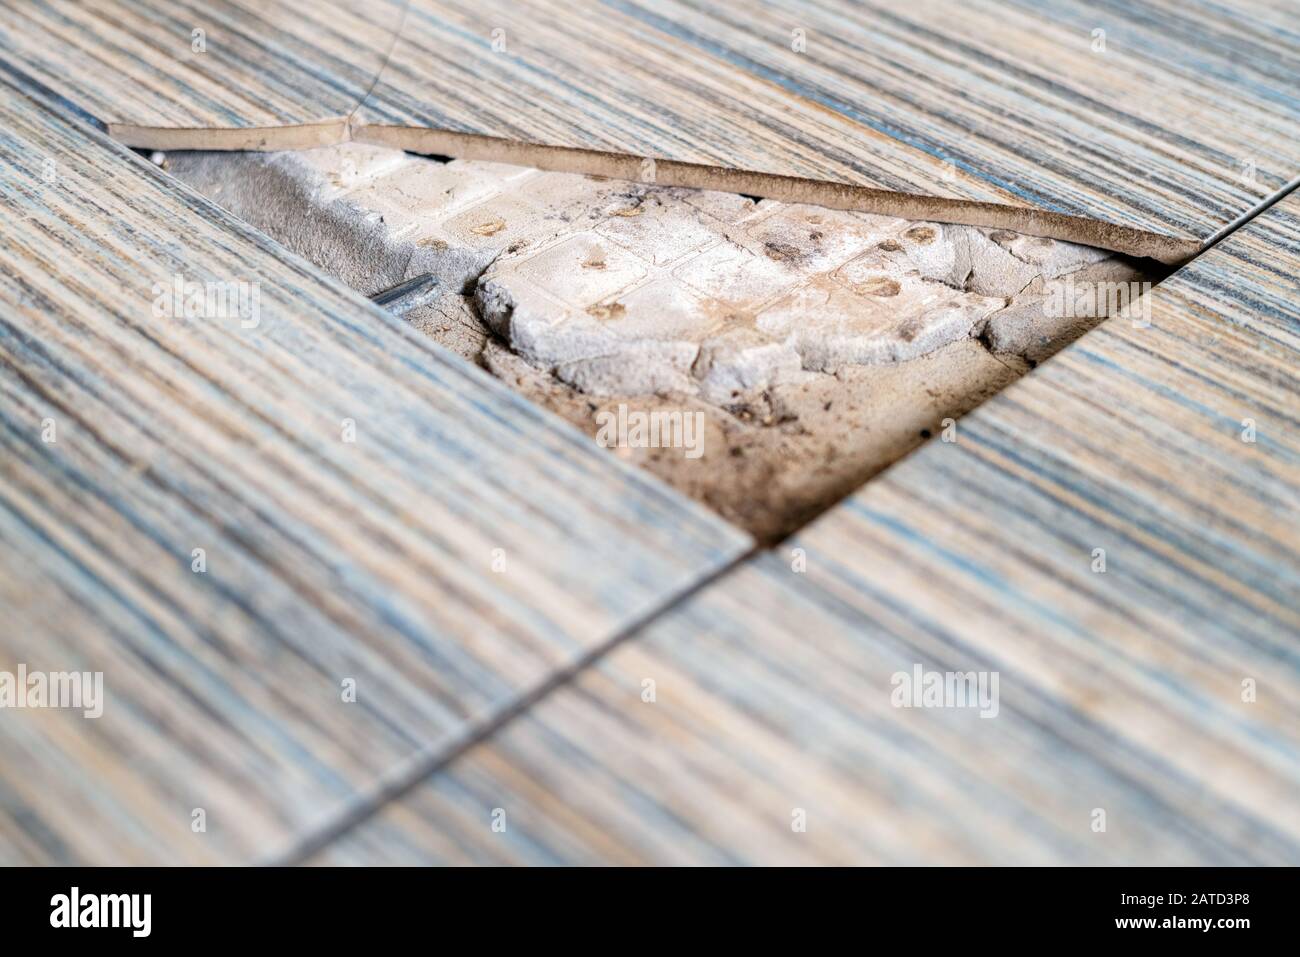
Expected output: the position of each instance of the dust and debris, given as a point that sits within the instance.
(818, 345)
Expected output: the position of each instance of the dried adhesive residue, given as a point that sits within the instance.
(815, 345)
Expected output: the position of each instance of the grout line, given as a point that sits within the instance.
(425, 763)
(421, 766)
(1244, 218)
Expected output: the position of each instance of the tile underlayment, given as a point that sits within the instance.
(818, 345)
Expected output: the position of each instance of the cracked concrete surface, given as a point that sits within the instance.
(818, 345)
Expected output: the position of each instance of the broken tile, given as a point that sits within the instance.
(820, 344)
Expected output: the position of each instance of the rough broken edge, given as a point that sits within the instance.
(562, 159)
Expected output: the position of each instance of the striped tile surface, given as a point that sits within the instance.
(369, 509)
(772, 739)
(1168, 118)
(1163, 691)
(1138, 127)
(229, 74)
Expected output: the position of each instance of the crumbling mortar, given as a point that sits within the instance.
(787, 444)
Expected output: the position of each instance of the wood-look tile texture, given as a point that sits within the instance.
(1169, 118)
(284, 74)
(1163, 690)
(369, 508)
(1143, 128)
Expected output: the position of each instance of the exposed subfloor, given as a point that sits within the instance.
(817, 346)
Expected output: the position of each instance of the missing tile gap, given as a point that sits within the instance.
(764, 358)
